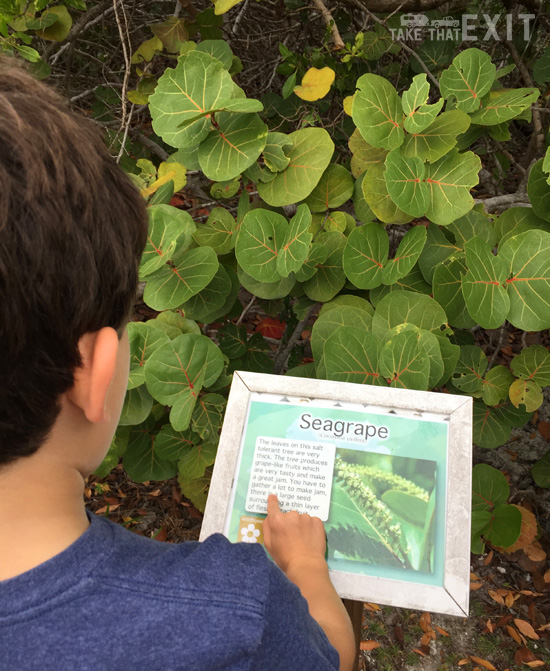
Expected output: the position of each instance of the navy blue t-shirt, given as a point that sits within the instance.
(117, 601)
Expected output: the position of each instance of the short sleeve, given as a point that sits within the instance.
(292, 639)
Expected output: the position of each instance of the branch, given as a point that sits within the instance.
(153, 146)
(387, 6)
(78, 26)
(331, 23)
(282, 355)
(518, 199)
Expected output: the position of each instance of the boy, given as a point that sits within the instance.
(77, 591)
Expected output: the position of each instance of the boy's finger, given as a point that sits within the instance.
(273, 505)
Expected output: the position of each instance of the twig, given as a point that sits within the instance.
(153, 146)
(127, 64)
(239, 17)
(518, 199)
(246, 309)
(126, 129)
(84, 21)
(497, 348)
(281, 356)
(331, 24)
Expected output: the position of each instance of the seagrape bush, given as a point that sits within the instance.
(395, 254)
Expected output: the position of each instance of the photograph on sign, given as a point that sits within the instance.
(386, 470)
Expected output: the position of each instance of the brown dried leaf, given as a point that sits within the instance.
(496, 597)
(535, 663)
(526, 629)
(442, 631)
(483, 662)
(399, 635)
(473, 576)
(426, 638)
(523, 655)
(528, 531)
(419, 652)
(509, 600)
(489, 626)
(514, 634)
(475, 586)
(369, 645)
(463, 661)
(373, 607)
(488, 558)
(544, 430)
(534, 551)
(425, 622)
(547, 576)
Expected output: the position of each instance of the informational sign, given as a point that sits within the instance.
(378, 466)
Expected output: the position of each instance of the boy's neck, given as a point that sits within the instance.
(41, 512)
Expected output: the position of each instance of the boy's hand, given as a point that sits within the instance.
(292, 538)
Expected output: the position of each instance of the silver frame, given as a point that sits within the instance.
(453, 597)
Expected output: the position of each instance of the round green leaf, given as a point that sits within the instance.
(447, 291)
(490, 428)
(207, 416)
(217, 49)
(406, 255)
(405, 183)
(170, 231)
(450, 180)
(141, 461)
(176, 282)
(404, 362)
(171, 444)
(200, 306)
(505, 526)
(233, 340)
(472, 225)
(218, 232)
(334, 188)
(185, 95)
(233, 145)
(438, 138)
(351, 355)
(419, 115)
(527, 259)
(317, 254)
(364, 154)
(310, 154)
(468, 375)
(468, 79)
(541, 69)
(541, 471)
(413, 281)
(295, 247)
(496, 384)
(196, 459)
(261, 236)
(518, 220)
(365, 254)
(405, 306)
(486, 299)
(274, 151)
(533, 363)
(145, 338)
(489, 487)
(377, 112)
(266, 290)
(362, 209)
(329, 278)
(502, 105)
(375, 192)
(349, 300)
(137, 406)
(437, 249)
(58, 30)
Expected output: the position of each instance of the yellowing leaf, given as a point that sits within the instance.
(348, 102)
(176, 171)
(315, 84)
(155, 186)
(59, 30)
(222, 6)
(147, 50)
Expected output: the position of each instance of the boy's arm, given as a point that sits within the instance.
(297, 544)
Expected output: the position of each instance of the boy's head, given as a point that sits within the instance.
(72, 230)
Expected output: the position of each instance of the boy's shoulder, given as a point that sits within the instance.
(191, 605)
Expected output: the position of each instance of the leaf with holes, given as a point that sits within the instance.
(502, 105)
(296, 245)
(145, 338)
(404, 362)
(406, 255)
(405, 183)
(469, 77)
(174, 376)
(496, 384)
(261, 236)
(375, 192)
(527, 258)
(526, 392)
(233, 145)
(170, 229)
(450, 180)
(334, 188)
(438, 138)
(219, 231)
(468, 375)
(533, 363)
(377, 112)
(351, 355)
(330, 277)
(486, 299)
(233, 340)
(365, 254)
(171, 444)
(175, 283)
(419, 115)
(196, 459)
(310, 154)
(406, 306)
(196, 85)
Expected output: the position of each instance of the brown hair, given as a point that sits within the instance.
(72, 230)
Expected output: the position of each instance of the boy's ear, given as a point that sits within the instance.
(98, 351)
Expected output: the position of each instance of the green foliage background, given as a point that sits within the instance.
(359, 208)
